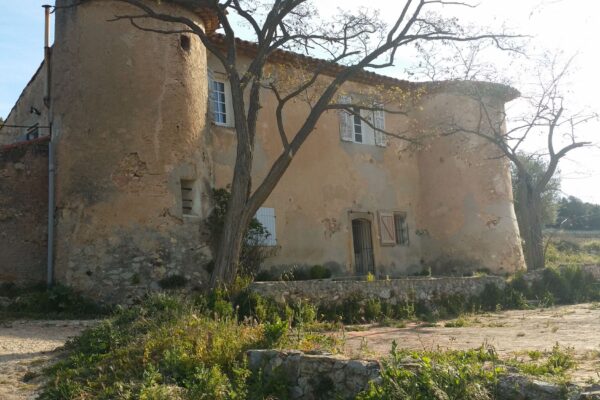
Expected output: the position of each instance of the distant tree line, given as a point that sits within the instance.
(574, 214)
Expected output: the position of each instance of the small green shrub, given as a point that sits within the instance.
(557, 363)
(450, 375)
(253, 252)
(57, 302)
(319, 272)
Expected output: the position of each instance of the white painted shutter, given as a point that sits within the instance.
(211, 95)
(367, 128)
(266, 216)
(379, 123)
(387, 228)
(346, 121)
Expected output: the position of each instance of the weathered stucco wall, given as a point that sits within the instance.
(129, 111)
(28, 111)
(393, 291)
(23, 212)
(328, 180)
(466, 218)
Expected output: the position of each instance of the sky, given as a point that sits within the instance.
(568, 26)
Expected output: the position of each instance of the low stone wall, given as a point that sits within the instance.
(392, 291)
(23, 211)
(312, 377)
(324, 377)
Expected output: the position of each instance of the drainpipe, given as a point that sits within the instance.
(47, 53)
(51, 153)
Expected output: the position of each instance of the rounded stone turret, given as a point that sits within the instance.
(129, 115)
(466, 214)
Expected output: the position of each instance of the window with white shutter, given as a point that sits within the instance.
(387, 230)
(346, 121)
(379, 123)
(362, 126)
(266, 216)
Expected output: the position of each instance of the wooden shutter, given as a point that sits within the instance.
(346, 122)
(387, 228)
(379, 123)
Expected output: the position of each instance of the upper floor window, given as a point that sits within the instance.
(357, 126)
(220, 102)
(363, 126)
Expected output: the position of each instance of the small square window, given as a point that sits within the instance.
(33, 133)
(187, 197)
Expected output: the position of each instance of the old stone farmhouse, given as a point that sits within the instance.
(111, 152)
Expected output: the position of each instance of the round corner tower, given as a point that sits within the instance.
(467, 219)
(129, 115)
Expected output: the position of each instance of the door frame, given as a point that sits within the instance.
(369, 216)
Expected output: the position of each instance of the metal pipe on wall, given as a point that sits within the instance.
(51, 152)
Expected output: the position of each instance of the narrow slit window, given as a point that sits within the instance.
(185, 42)
(187, 197)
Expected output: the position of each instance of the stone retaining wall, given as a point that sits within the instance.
(312, 377)
(392, 291)
(324, 377)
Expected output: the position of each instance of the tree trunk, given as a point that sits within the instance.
(529, 218)
(235, 224)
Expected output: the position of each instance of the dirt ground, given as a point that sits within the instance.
(511, 333)
(25, 348)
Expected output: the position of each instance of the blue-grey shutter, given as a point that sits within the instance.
(266, 216)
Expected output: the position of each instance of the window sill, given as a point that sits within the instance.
(219, 125)
(191, 218)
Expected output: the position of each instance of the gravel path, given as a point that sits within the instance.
(26, 347)
(511, 333)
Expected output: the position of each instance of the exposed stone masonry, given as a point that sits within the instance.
(392, 291)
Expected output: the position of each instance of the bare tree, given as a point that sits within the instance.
(544, 115)
(357, 41)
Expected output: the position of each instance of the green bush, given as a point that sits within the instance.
(452, 375)
(57, 302)
(164, 348)
(319, 272)
(253, 252)
(172, 347)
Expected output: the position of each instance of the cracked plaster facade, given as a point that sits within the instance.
(130, 122)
